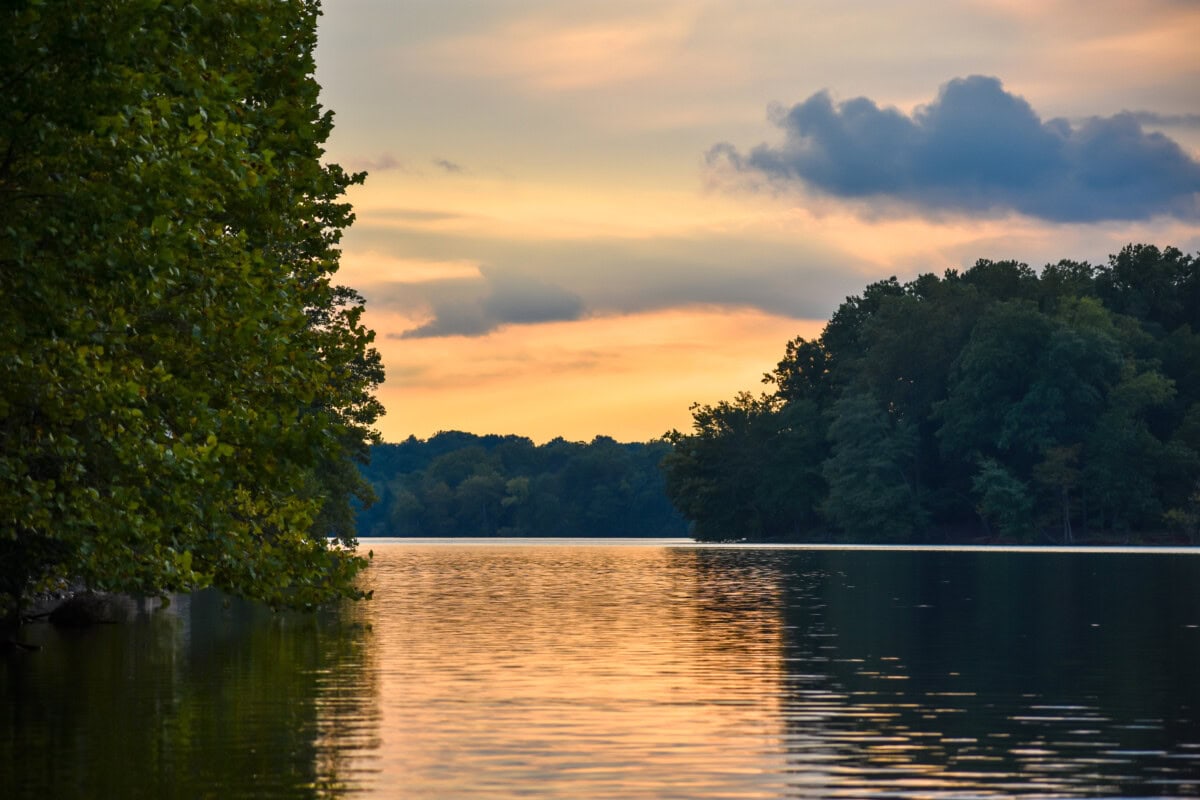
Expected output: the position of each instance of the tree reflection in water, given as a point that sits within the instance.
(206, 698)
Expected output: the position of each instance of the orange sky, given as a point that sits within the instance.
(631, 376)
(546, 250)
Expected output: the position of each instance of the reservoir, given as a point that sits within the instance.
(637, 669)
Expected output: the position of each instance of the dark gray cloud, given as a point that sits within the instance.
(976, 149)
(474, 307)
(529, 282)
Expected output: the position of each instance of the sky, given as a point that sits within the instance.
(582, 217)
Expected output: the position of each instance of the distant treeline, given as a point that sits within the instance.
(993, 402)
(460, 484)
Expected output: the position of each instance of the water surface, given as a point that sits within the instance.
(519, 669)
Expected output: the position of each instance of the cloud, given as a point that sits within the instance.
(477, 307)
(447, 166)
(975, 149)
(384, 163)
(553, 280)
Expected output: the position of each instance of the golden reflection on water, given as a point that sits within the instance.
(668, 672)
(601, 672)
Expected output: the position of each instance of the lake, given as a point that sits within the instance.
(637, 670)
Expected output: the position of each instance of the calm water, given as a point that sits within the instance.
(649, 671)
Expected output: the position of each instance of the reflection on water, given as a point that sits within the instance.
(201, 699)
(951, 674)
(638, 672)
(603, 672)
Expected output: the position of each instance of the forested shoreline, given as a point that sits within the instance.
(461, 484)
(997, 403)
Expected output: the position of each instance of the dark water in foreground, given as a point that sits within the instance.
(637, 672)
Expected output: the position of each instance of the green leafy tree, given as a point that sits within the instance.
(803, 373)
(185, 390)
(793, 486)
(516, 505)
(715, 476)
(1159, 287)
(1004, 500)
(842, 338)
(1059, 471)
(871, 491)
(1003, 280)
(911, 346)
(478, 501)
(1065, 280)
(991, 379)
(1126, 462)
(1186, 517)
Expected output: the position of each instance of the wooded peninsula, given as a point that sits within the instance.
(992, 402)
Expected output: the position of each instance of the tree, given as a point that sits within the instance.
(803, 373)
(871, 491)
(1064, 281)
(911, 345)
(841, 340)
(1004, 499)
(1159, 287)
(714, 475)
(1126, 462)
(185, 390)
(991, 378)
(1003, 280)
(1059, 471)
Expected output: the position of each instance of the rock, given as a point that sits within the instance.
(88, 608)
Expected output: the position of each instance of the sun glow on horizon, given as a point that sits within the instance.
(630, 377)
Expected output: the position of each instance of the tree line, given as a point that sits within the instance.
(993, 402)
(460, 484)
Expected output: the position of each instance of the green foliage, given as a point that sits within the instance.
(803, 374)
(1186, 519)
(1004, 500)
(750, 469)
(1028, 403)
(185, 391)
(990, 396)
(458, 484)
(871, 492)
(1059, 473)
(1161, 288)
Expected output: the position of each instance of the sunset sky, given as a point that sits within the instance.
(581, 217)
